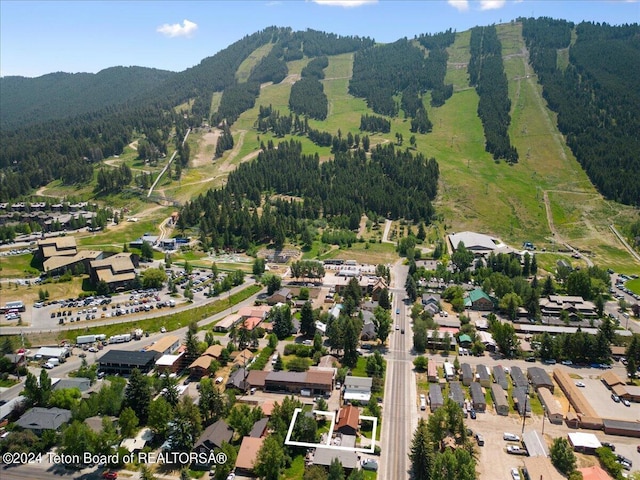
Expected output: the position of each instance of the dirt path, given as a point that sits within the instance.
(387, 228)
(208, 139)
(363, 226)
(633, 253)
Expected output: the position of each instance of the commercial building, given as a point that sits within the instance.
(123, 362)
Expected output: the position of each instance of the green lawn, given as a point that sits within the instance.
(296, 469)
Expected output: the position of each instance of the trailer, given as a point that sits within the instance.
(84, 339)
(120, 338)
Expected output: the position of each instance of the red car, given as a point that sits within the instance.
(110, 475)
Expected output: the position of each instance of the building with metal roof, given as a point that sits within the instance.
(466, 374)
(483, 376)
(435, 397)
(477, 397)
(535, 444)
(518, 378)
(499, 399)
(500, 377)
(540, 378)
(521, 401)
(456, 394)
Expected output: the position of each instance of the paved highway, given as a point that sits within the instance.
(399, 414)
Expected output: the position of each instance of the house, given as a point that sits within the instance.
(38, 419)
(123, 362)
(166, 345)
(541, 468)
(81, 383)
(487, 340)
(248, 454)
(117, 271)
(540, 378)
(551, 406)
(376, 289)
(478, 300)
(238, 380)
(348, 420)
(200, 366)
(357, 388)
(136, 444)
(456, 394)
(432, 371)
(259, 428)
(464, 341)
(255, 379)
(325, 456)
(594, 473)
(368, 331)
(521, 401)
(283, 295)
(227, 323)
(483, 376)
(499, 399)
(517, 377)
(500, 377)
(242, 358)
(213, 437)
(477, 397)
(431, 299)
(449, 371)
(435, 397)
(466, 374)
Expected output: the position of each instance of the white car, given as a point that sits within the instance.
(515, 474)
(510, 437)
(580, 384)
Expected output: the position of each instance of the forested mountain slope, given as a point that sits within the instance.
(28, 101)
(596, 97)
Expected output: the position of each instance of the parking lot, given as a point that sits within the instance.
(599, 396)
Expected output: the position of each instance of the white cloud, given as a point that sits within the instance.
(187, 29)
(344, 3)
(460, 5)
(491, 4)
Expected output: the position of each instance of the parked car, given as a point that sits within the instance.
(480, 439)
(567, 362)
(370, 464)
(530, 359)
(515, 450)
(515, 474)
(580, 384)
(110, 474)
(609, 445)
(510, 437)
(472, 414)
(626, 402)
(615, 398)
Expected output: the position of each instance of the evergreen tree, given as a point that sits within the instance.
(336, 471)
(562, 455)
(421, 453)
(307, 322)
(137, 395)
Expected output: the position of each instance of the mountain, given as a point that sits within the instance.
(28, 101)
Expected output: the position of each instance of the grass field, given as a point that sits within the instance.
(244, 70)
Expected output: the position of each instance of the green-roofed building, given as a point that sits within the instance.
(478, 300)
(464, 340)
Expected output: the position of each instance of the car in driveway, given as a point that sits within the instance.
(510, 437)
(515, 474)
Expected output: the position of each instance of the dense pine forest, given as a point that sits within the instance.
(596, 97)
(389, 184)
(486, 73)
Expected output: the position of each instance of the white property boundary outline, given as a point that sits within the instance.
(288, 440)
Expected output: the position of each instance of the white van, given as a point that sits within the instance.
(274, 359)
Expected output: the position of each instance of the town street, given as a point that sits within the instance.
(399, 413)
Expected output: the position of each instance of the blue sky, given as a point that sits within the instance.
(87, 36)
